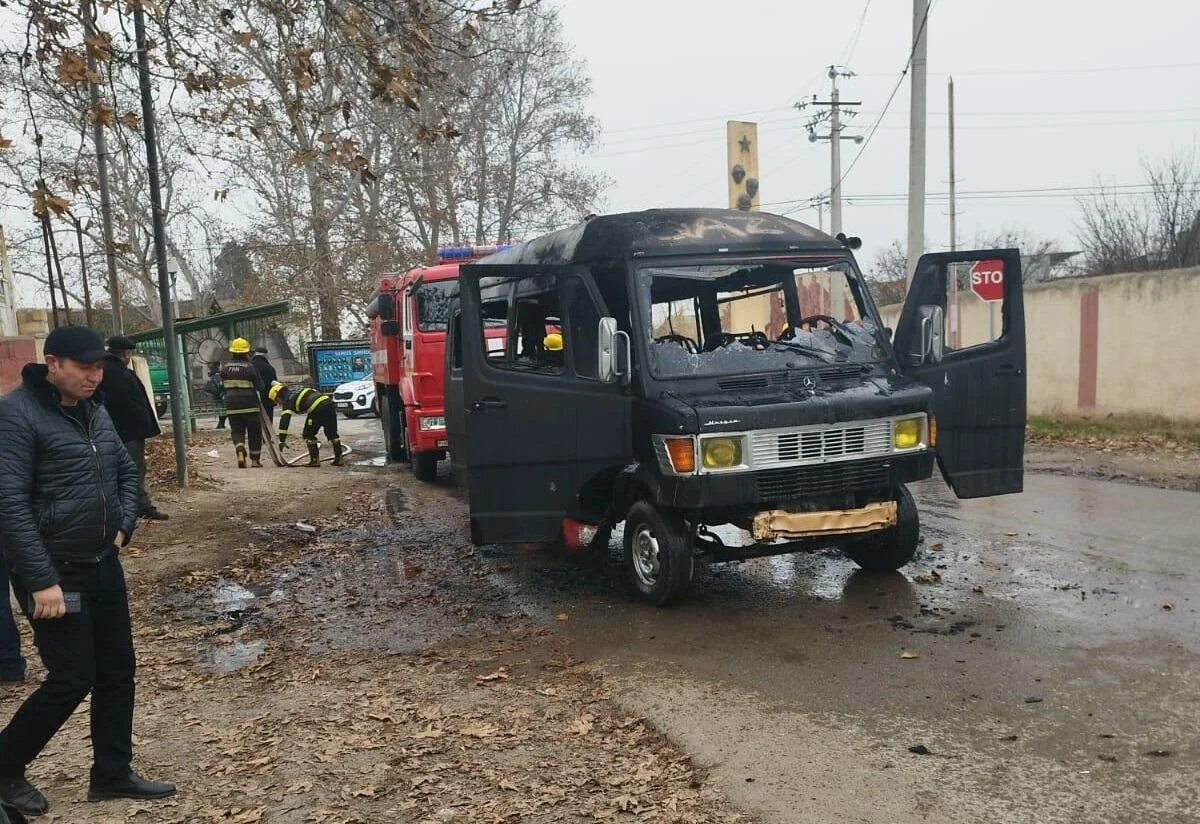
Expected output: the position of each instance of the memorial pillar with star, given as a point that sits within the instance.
(742, 167)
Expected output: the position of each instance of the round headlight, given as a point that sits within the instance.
(720, 453)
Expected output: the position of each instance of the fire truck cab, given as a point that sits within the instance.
(408, 315)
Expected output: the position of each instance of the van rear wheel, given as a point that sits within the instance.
(892, 548)
(658, 555)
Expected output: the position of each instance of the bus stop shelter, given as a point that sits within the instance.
(202, 341)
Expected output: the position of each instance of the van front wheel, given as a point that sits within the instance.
(658, 555)
(892, 548)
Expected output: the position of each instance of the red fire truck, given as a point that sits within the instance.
(408, 338)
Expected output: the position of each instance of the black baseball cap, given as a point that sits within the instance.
(261, 350)
(120, 343)
(77, 343)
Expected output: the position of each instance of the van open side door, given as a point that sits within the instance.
(962, 334)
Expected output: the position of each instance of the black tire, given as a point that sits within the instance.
(658, 555)
(892, 548)
(375, 413)
(423, 464)
(393, 433)
(350, 415)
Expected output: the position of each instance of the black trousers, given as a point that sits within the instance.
(12, 663)
(137, 451)
(90, 651)
(248, 424)
(323, 417)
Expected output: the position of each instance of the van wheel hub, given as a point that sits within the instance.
(646, 556)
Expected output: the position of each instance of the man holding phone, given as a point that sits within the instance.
(68, 501)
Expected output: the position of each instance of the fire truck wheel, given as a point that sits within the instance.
(658, 555)
(393, 434)
(424, 464)
(892, 548)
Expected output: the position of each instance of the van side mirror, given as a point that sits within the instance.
(387, 307)
(391, 328)
(615, 355)
(932, 338)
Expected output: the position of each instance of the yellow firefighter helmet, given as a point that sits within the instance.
(239, 346)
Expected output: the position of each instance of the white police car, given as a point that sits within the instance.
(356, 398)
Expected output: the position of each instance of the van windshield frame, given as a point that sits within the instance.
(713, 317)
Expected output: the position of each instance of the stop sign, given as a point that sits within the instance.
(987, 279)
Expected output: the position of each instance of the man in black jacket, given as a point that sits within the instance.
(267, 376)
(68, 500)
(132, 413)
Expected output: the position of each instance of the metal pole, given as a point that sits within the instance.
(101, 143)
(955, 320)
(835, 158)
(916, 136)
(174, 378)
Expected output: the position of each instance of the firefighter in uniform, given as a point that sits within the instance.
(242, 386)
(319, 412)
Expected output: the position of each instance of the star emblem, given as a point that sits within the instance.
(744, 143)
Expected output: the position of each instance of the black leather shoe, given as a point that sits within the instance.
(156, 515)
(131, 786)
(20, 795)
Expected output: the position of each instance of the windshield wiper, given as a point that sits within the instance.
(807, 350)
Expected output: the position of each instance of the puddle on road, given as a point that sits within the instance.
(378, 461)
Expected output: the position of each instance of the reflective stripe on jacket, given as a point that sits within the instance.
(303, 402)
(240, 379)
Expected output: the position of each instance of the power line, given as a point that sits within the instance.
(848, 53)
(1058, 70)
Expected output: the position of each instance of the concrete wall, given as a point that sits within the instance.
(1121, 344)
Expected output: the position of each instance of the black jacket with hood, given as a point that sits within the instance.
(65, 490)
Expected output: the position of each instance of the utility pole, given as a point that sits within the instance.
(100, 141)
(916, 135)
(174, 364)
(835, 137)
(953, 219)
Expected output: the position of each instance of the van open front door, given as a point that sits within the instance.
(971, 353)
(541, 424)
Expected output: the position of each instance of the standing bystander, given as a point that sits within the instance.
(68, 501)
(132, 413)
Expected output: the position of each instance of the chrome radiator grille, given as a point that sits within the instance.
(820, 444)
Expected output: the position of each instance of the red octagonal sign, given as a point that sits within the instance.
(987, 279)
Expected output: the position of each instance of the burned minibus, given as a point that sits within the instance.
(722, 383)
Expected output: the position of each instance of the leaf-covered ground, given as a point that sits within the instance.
(365, 672)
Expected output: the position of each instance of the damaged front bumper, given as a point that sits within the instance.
(774, 524)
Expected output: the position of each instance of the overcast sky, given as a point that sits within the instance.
(1050, 94)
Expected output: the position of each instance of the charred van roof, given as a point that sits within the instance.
(657, 232)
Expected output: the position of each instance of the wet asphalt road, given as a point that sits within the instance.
(1056, 675)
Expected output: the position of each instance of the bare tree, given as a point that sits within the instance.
(1158, 229)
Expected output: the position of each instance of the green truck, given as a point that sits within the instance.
(160, 385)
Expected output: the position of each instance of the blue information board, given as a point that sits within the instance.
(335, 365)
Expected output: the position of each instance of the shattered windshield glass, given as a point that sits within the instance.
(756, 316)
